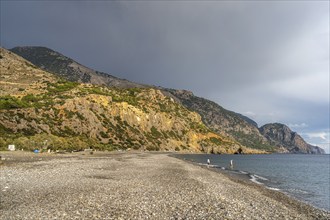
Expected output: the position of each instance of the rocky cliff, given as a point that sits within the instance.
(38, 109)
(220, 120)
(226, 123)
(286, 140)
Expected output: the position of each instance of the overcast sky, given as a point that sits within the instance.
(268, 60)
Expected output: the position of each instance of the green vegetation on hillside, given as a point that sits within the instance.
(61, 86)
(41, 111)
(252, 141)
(10, 102)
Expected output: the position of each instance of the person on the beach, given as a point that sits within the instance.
(231, 165)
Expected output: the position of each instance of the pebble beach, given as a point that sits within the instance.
(133, 185)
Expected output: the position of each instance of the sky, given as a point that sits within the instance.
(268, 60)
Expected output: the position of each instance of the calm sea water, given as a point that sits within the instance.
(305, 177)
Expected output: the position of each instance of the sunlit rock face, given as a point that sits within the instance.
(282, 137)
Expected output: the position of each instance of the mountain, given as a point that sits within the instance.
(221, 121)
(54, 62)
(286, 140)
(41, 110)
(248, 120)
(224, 122)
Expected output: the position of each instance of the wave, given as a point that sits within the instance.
(209, 165)
(254, 179)
(260, 180)
(260, 177)
(283, 173)
(273, 188)
(299, 191)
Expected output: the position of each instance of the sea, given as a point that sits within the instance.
(305, 177)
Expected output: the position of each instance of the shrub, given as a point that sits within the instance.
(155, 133)
(3, 144)
(104, 134)
(80, 116)
(62, 86)
(184, 147)
(10, 102)
(216, 141)
(68, 113)
(152, 148)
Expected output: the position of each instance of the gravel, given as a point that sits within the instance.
(133, 186)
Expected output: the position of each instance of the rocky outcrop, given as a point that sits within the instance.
(62, 114)
(220, 120)
(288, 141)
(224, 122)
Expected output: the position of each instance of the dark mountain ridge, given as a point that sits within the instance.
(65, 67)
(281, 136)
(222, 121)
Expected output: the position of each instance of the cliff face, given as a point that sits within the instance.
(37, 108)
(224, 122)
(220, 120)
(288, 141)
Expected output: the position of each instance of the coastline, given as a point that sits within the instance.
(276, 194)
(134, 185)
(267, 171)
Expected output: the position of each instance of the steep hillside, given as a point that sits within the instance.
(220, 120)
(223, 121)
(288, 141)
(69, 69)
(226, 123)
(38, 109)
(20, 77)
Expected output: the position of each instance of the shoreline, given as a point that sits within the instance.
(261, 179)
(274, 193)
(253, 180)
(139, 185)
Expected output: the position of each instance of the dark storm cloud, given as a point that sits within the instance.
(267, 59)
